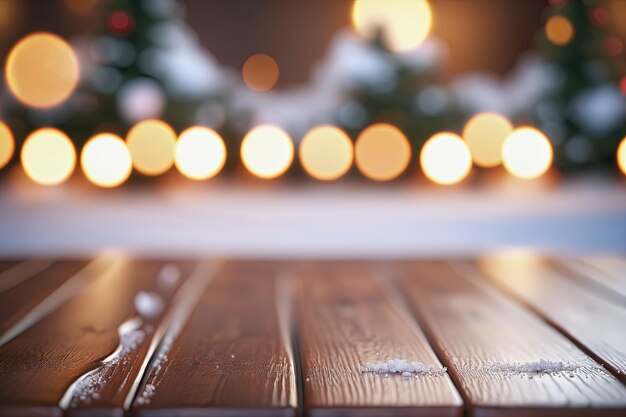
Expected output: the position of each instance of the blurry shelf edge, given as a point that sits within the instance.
(307, 219)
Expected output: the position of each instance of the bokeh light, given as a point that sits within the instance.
(621, 156)
(48, 156)
(260, 72)
(121, 22)
(267, 151)
(485, 133)
(42, 70)
(200, 153)
(7, 144)
(151, 144)
(106, 161)
(527, 153)
(445, 159)
(382, 152)
(404, 23)
(326, 153)
(559, 30)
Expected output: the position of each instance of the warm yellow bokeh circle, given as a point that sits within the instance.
(326, 153)
(382, 152)
(445, 159)
(559, 30)
(42, 70)
(621, 156)
(7, 144)
(260, 72)
(405, 24)
(485, 134)
(267, 151)
(48, 156)
(200, 153)
(527, 153)
(106, 161)
(151, 144)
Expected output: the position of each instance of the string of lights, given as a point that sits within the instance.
(381, 152)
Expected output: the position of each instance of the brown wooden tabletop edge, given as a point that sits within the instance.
(539, 411)
(30, 410)
(385, 411)
(95, 412)
(215, 412)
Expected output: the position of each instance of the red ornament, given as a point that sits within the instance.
(121, 23)
(599, 16)
(613, 46)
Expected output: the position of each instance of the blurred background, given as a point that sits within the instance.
(312, 128)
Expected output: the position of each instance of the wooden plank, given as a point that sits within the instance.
(582, 315)
(232, 357)
(609, 273)
(18, 301)
(21, 272)
(613, 265)
(6, 264)
(345, 320)
(86, 353)
(488, 342)
(66, 291)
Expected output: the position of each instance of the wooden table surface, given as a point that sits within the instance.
(117, 336)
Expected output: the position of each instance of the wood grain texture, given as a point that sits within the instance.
(20, 272)
(18, 301)
(6, 264)
(476, 330)
(42, 368)
(344, 320)
(232, 357)
(583, 315)
(609, 273)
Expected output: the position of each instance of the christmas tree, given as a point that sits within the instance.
(141, 62)
(584, 112)
(407, 92)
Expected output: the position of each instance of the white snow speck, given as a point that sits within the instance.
(146, 394)
(537, 368)
(148, 304)
(403, 367)
(169, 276)
(89, 386)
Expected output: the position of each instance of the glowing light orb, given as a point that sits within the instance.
(106, 161)
(200, 153)
(326, 153)
(267, 151)
(382, 152)
(42, 70)
(445, 159)
(151, 144)
(484, 134)
(405, 24)
(527, 153)
(559, 30)
(260, 72)
(621, 156)
(48, 156)
(7, 144)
